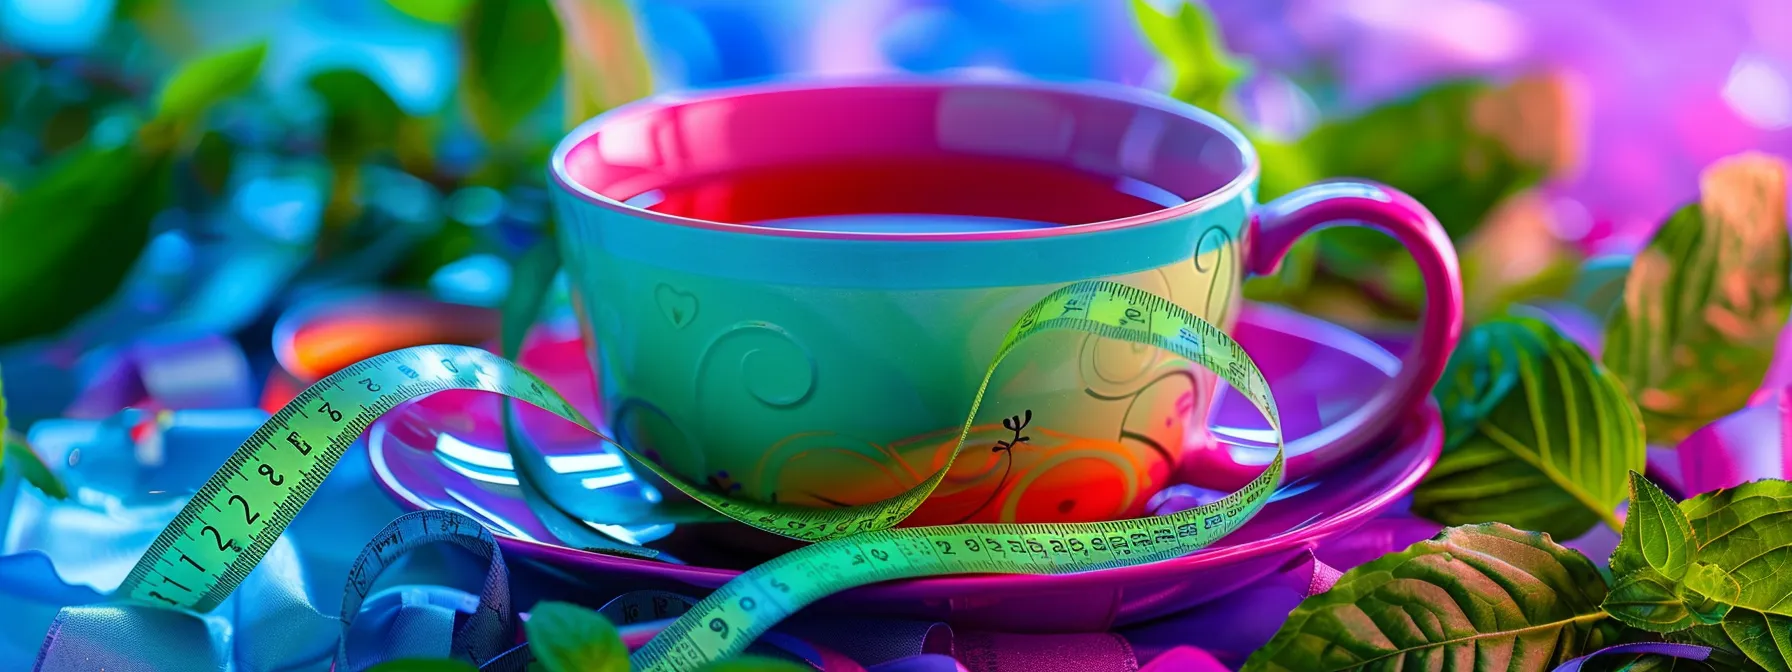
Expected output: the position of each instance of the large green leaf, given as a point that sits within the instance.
(71, 237)
(205, 82)
(1477, 597)
(1743, 532)
(510, 62)
(1536, 434)
(570, 638)
(1704, 302)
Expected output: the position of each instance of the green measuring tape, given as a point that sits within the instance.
(236, 516)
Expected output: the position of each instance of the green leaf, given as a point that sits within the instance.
(1484, 596)
(1742, 532)
(360, 119)
(1536, 435)
(1709, 591)
(204, 82)
(1459, 147)
(1647, 600)
(510, 62)
(1656, 534)
(19, 455)
(72, 236)
(445, 12)
(1763, 638)
(1599, 284)
(754, 664)
(1190, 40)
(1704, 302)
(213, 159)
(570, 638)
(423, 665)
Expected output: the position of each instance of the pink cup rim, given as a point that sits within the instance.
(1136, 97)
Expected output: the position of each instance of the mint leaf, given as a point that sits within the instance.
(1742, 531)
(754, 664)
(1760, 637)
(1190, 40)
(1709, 592)
(202, 83)
(1647, 600)
(1704, 302)
(72, 236)
(1656, 534)
(19, 456)
(1483, 596)
(510, 52)
(1742, 534)
(423, 665)
(570, 638)
(1536, 435)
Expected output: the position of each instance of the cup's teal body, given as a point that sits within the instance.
(825, 368)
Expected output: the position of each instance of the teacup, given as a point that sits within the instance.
(791, 291)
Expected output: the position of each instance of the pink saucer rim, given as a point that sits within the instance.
(1424, 429)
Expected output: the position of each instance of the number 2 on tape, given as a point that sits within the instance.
(231, 522)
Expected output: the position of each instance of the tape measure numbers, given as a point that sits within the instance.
(236, 516)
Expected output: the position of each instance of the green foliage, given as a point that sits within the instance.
(15, 454)
(445, 12)
(1462, 148)
(360, 117)
(1655, 520)
(1536, 434)
(1440, 146)
(511, 52)
(1703, 305)
(1484, 596)
(101, 201)
(205, 82)
(570, 638)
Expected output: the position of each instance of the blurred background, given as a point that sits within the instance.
(180, 172)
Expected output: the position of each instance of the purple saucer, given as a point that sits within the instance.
(445, 453)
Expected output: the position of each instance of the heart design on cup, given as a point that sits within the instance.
(678, 307)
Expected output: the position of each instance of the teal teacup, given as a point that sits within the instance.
(790, 292)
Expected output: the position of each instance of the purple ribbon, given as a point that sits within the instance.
(1687, 651)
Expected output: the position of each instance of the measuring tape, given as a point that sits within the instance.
(479, 633)
(235, 517)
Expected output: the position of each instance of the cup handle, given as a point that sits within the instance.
(1278, 224)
